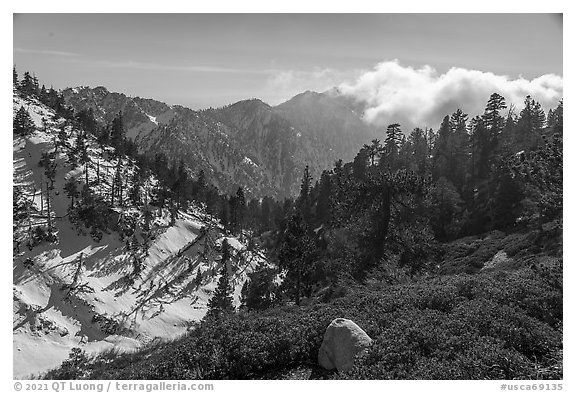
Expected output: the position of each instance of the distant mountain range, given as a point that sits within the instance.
(251, 144)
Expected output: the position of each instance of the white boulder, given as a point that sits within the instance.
(343, 340)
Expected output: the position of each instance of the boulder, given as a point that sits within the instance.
(343, 340)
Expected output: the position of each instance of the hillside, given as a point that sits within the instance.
(99, 289)
(503, 322)
(329, 119)
(177, 132)
(248, 143)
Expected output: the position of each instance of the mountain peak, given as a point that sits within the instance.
(307, 93)
(252, 101)
(250, 104)
(333, 91)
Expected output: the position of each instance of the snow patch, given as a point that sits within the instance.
(248, 161)
(152, 119)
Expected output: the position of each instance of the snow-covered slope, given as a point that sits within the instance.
(78, 292)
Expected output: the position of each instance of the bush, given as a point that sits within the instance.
(479, 340)
(77, 366)
(495, 325)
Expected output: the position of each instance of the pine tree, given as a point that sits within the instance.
(266, 209)
(181, 186)
(71, 189)
(237, 210)
(530, 124)
(173, 210)
(43, 94)
(306, 183)
(374, 150)
(304, 201)
(221, 302)
(540, 117)
(116, 187)
(51, 98)
(508, 133)
(48, 162)
(14, 77)
(252, 213)
(338, 195)
(19, 202)
(420, 153)
(392, 146)
(135, 194)
(23, 123)
(226, 250)
(259, 290)
(507, 198)
(323, 203)
(117, 134)
(446, 205)
(359, 165)
(481, 148)
(86, 120)
(557, 125)
(460, 143)
(85, 158)
(201, 186)
(62, 137)
(27, 86)
(493, 121)
(442, 150)
(296, 255)
(404, 153)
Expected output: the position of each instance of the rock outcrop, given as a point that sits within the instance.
(343, 340)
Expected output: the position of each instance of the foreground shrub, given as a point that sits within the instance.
(479, 340)
(494, 325)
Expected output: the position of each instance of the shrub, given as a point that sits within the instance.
(496, 325)
(77, 366)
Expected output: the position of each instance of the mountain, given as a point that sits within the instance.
(270, 142)
(119, 286)
(249, 143)
(331, 121)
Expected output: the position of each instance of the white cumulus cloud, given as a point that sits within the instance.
(422, 96)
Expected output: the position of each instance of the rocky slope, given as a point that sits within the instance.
(249, 143)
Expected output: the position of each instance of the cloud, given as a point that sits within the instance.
(45, 52)
(181, 68)
(138, 65)
(422, 97)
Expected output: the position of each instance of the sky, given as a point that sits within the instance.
(397, 63)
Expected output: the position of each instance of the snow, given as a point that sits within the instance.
(38, 112)
(162, 300)
(152, 119)
(248, 161)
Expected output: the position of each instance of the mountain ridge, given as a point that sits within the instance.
(248, 143)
